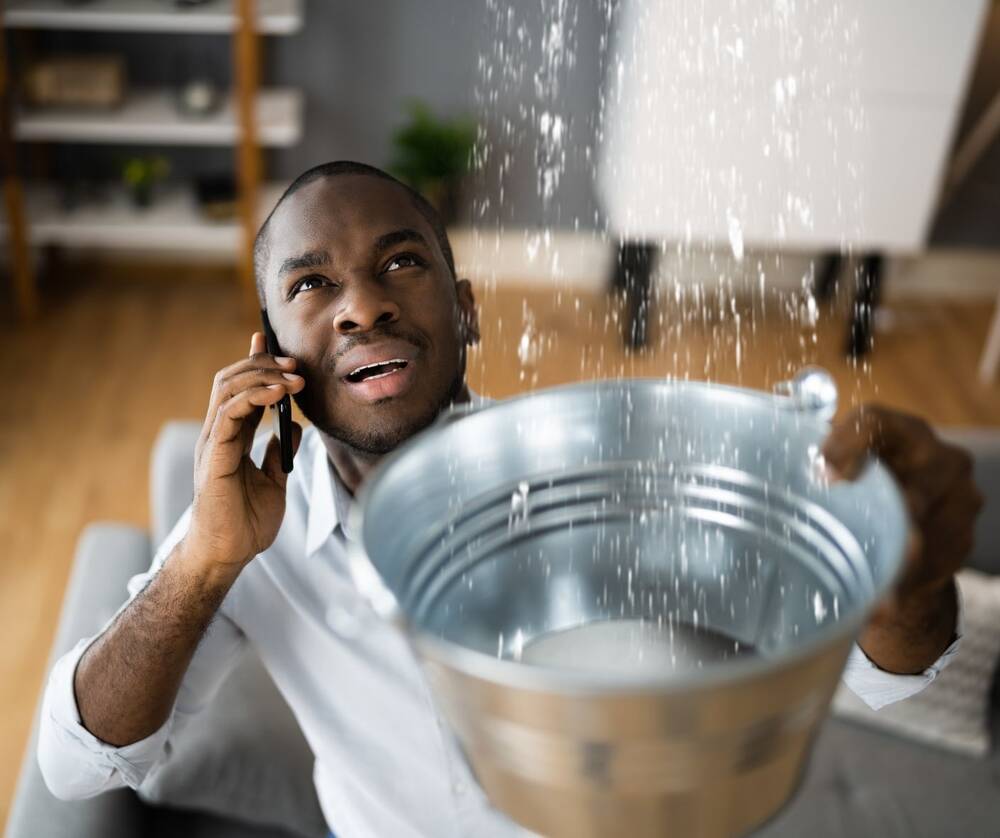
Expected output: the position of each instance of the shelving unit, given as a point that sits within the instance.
(250, 118)
(274, 17)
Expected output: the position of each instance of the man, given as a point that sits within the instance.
(359, 283)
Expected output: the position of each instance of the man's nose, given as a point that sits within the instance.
(365, 306)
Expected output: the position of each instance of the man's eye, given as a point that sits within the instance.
(307, 283)
(403, 260)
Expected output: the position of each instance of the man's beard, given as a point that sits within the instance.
(375, 442)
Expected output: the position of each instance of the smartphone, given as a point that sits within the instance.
(283, 410)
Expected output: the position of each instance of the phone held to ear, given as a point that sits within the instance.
(283, 409)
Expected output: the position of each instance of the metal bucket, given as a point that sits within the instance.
(633, 599)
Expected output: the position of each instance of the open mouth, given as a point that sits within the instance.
(377, 370)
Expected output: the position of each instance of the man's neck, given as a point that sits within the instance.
(354, 466)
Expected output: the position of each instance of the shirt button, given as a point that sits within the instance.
(458, 787)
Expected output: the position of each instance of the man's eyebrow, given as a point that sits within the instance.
(312, 259)
(404, 234)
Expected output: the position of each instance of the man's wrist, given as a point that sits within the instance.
(197, 564)
(909, 633)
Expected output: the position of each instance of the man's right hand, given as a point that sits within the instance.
(238, 507)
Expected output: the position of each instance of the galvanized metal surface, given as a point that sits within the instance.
(701, 512)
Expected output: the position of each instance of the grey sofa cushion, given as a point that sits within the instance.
(106, 556)
(861, 782)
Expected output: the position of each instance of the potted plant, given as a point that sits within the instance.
(431, 154)
(141, 174)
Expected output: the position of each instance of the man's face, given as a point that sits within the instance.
(359, 292)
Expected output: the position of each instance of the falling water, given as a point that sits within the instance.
(564, 94)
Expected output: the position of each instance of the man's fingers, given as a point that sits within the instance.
(251, 378)
(245, 409)
(228, 415)
(223, 387)
(950, 525)
(849, 443)
(904, 443)
(233, 411)
(271, 464)
(942, 544)
(927, 469)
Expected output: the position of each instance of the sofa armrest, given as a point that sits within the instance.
(984, 445)
(107, 555)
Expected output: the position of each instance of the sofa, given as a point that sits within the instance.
(244, 769)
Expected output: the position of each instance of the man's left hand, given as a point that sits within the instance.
(911, 629)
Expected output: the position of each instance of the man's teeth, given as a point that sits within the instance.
(395, 364)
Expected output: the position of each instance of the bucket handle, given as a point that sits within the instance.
(812, 390)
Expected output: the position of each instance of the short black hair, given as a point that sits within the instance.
(347, 167)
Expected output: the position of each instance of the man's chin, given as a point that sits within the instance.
(378, 440)
(384, 426)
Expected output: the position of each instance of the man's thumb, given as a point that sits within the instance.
(271, 465)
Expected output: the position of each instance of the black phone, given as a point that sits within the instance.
(283, 414)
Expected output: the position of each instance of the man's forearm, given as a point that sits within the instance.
(127, 680)
(909, 637)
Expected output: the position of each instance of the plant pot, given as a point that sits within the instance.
(141, 195)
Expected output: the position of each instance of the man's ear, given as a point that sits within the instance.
(467, 313)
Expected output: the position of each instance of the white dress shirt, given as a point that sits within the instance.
(385, 761)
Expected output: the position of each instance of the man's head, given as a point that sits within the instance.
(358, 279)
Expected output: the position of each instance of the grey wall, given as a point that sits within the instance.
(359, 62)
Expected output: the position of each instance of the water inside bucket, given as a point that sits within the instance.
(630, 646)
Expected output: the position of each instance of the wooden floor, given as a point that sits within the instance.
(117, 352)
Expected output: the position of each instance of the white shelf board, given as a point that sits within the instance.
(173, 222)
(151, 116)
(274, 17)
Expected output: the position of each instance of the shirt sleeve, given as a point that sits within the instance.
(76, 764)
(878, 688)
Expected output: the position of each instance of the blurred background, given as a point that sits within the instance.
(702, 189)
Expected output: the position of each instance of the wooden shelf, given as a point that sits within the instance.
(274, 17)
(151, 116)
(173, 222)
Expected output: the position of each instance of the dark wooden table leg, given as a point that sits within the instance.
(867, 293)
(827, 275)
(633, 274)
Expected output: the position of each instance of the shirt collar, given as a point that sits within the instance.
(329, 500)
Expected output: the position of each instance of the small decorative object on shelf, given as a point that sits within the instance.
(80, 81)
(141, 174)
(198, 97)
(77, 192)
(216, 196)
(432, 155)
